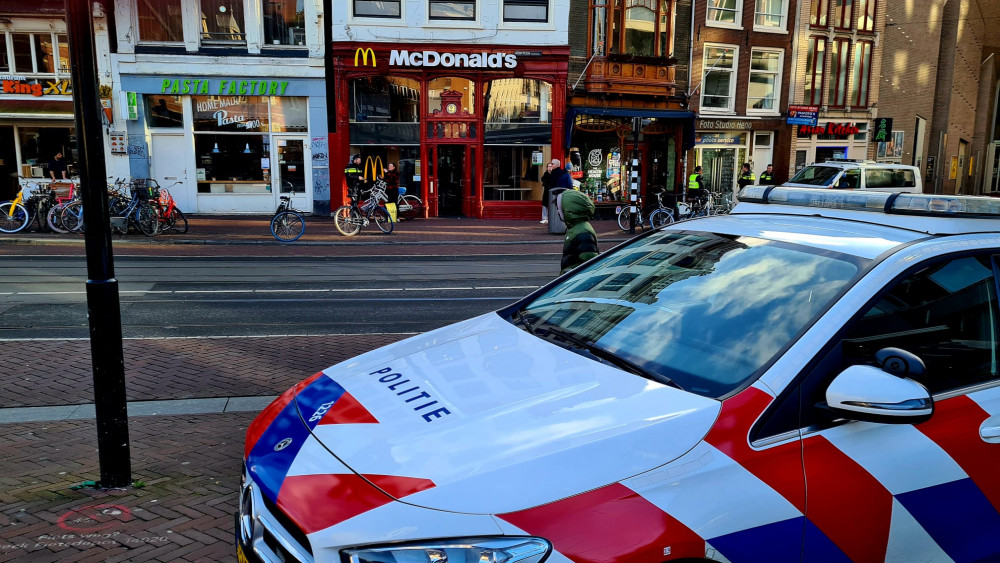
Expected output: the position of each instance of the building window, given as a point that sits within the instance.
(377, 9)
(866, 14)
(817, 13)
(843, 13)
(719, 77)
(452, 10)
(838, 71)
(770, 15)
(765, 81)
(222, 21)
(632, 27)
(815, 62)
(861, 73)
(35, 53)
(725, 12)
(160, 20)
(284, 22)
(164, 111)
(526, 11)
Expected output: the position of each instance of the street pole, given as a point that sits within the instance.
(103, 307)
(634, 175)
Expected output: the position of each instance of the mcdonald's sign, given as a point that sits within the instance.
(364, 53)
(376, 167)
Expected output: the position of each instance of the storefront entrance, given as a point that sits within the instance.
(719, 168)
(450, 177)
(289, 170)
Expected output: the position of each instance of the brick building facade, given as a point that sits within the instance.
(741, 67)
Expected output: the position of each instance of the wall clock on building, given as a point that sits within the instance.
(451, 108)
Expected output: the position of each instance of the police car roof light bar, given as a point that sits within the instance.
(882, 202)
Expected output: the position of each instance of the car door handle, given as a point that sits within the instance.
(990, 430)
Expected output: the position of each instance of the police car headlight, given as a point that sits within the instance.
(479, 550)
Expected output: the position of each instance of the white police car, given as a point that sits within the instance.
(815, 377)
(859, 175)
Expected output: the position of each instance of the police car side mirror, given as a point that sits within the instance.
(871, 394)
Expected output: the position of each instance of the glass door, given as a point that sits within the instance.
(452, 175)
(290, 171)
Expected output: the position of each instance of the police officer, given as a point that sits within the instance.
(767, 176)
(354, 176)
(696, 186)
(746, 176)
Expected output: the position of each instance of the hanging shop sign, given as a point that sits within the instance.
(365, 56)
(830, 129)
(228, 86)
(803, 115)
(11, 84)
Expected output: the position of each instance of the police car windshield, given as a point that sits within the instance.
(703, 310)
(815, 175)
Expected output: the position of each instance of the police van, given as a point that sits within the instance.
(859, 175)
(813, 377)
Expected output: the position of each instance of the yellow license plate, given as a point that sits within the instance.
(239, 555)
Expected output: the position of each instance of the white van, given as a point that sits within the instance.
(859, 175)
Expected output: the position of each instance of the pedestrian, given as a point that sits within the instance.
(562, 177)
(767, 176)
(57, 167)
(546, 189)
(580, 244)
(696, 185)
(746, 176)
(355, 177)
(391, 178)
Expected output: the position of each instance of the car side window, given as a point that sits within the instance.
(877, 178)
(946, 314)
(850, 179)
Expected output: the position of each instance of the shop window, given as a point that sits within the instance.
(518, 111)
(63, 49)
(384, 110)
(452, 9)
(222, 21)
(284, 22)
(514, 173)
(815, 61)
(842, 11)
(34, 53)
(526, 11)
(23, 54)
(770, 15)
(765, 81)
(40, 144)
(631, 27)
(232, 163)
(866, 14)
(164, 111)
(160, 20)
(377, 9)
(238, 114)
(817, 13)
(861, 73)
(463, 85)
(725, 12)
(719, 77)
(289, 114)
(838, 71)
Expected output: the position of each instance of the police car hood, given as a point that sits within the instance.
(487, 418)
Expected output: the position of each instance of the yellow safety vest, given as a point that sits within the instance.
(693, 182)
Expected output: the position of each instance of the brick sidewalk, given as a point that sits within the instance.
(190, 465)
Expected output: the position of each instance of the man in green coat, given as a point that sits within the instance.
(576, 210)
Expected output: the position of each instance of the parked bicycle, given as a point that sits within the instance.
(31, 205)
(140, 209)
(409, 206)
(287, 224)
(172, 219)
(663, 214)
(350, 218)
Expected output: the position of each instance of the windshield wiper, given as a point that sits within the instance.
(521, 318)
(606, 355)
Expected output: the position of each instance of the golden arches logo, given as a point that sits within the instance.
(376, 166)
(364, 53)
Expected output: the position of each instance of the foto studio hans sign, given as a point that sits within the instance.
(366, 56)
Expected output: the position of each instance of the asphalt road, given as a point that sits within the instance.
(44, 297)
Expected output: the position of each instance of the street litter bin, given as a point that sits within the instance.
(556, 224)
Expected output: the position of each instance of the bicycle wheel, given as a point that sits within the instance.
(54, 219)
(72, 217)
(625, 219)
(683, 210)
(178, 222)
(286, 226)
(147, 218)
(382, 219)
(13, 217)
(410, 207)
(660, 217)
(347, 220)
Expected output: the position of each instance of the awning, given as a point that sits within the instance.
(687, 116)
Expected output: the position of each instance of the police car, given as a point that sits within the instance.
(859, 175)
(814, 377)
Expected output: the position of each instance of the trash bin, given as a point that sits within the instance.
(556, 224)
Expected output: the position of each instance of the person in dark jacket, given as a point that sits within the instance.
(391, 178)
(562, 177)
(746, 176)
(355, 177)
(546, 188)
(580, 243)
(767, 176)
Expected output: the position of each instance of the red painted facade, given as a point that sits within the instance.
(438, 128)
